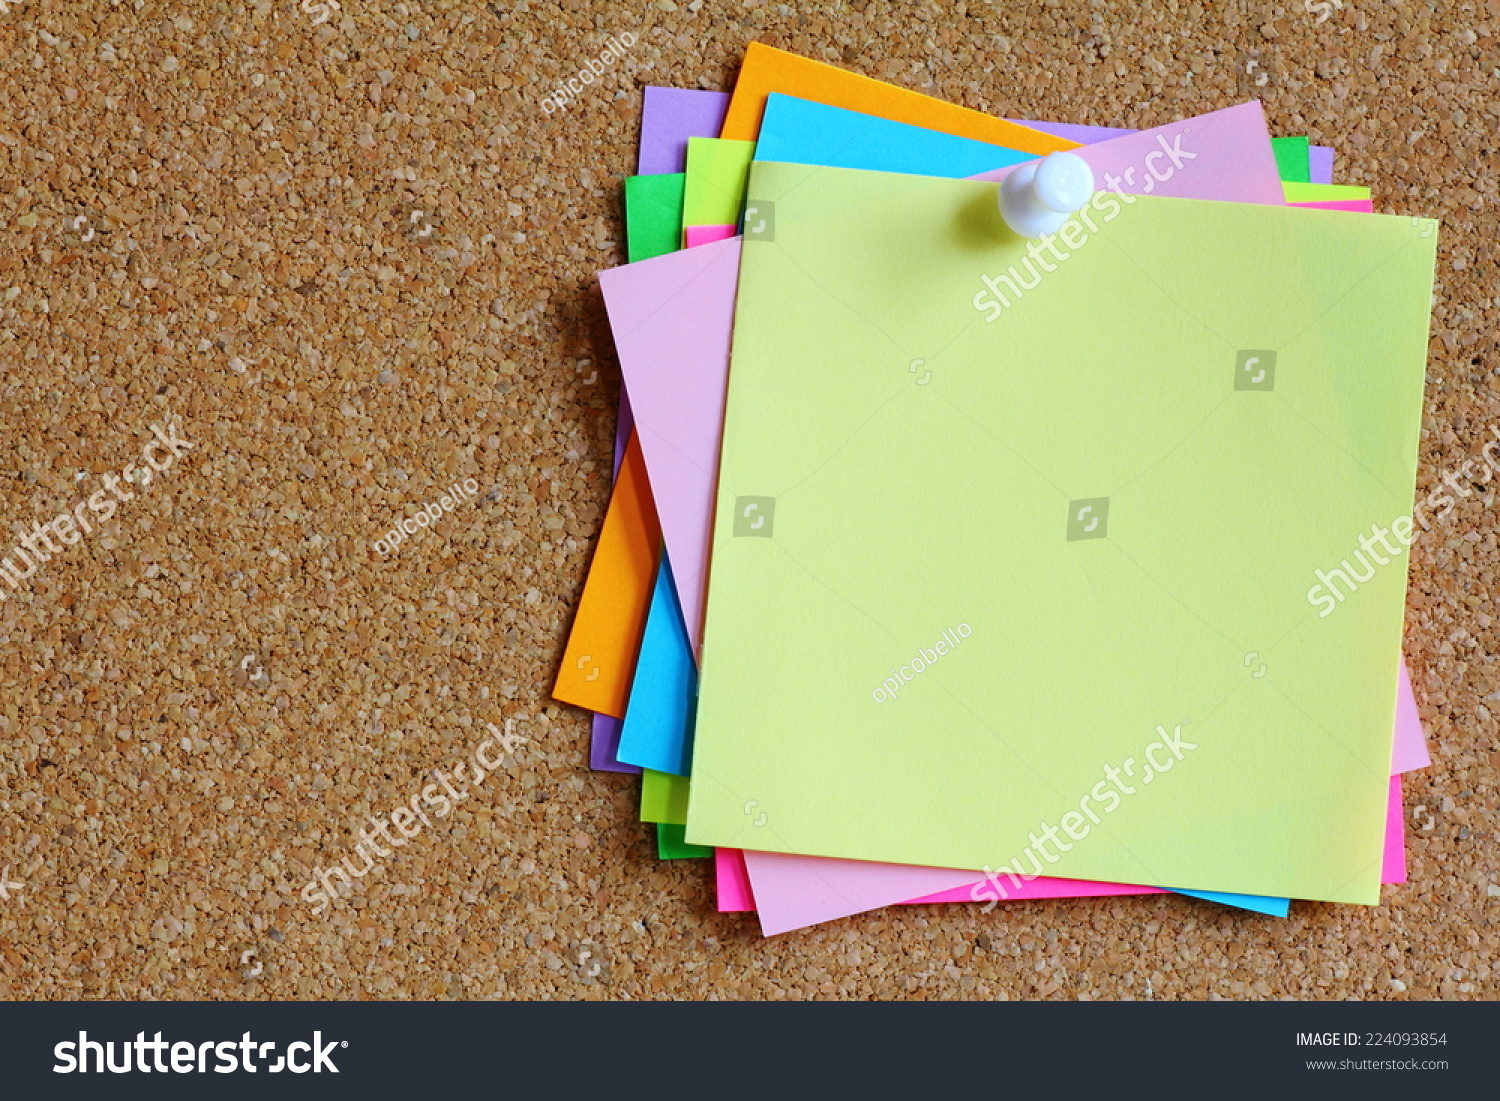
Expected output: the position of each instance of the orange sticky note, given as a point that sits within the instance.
(599, 662)
(767, 69)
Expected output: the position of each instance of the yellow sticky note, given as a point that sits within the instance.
(716, 175)
(1323, 193)
(664, 797)
(1089, 565)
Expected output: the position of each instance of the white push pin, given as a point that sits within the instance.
(1037, 198)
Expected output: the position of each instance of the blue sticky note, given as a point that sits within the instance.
(658, 729)
(797, 131)
(1276, 907)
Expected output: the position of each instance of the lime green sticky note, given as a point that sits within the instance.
(1322, 193)
(1292, 163)
(653, 215)
(716, 172)
(1082, 556)
(671, 846)
(664, 797)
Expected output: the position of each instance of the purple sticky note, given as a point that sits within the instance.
(669, 117)
(1083, 135)
(623, 424)
(1320, 163)
(605, 745)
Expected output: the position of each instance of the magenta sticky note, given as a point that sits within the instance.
(732, 882)
(706, 235)
(1394, 869)
(1353, 206)
(1225, 155)
(1043, 888)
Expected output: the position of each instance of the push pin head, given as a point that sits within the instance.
(1038, 197)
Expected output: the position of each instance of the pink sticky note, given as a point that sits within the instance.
(1411, 741)
(672, 318)
(795, 891)
(706, 235)
(733, 882)
(1224, 155)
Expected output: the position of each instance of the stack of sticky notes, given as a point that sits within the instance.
(1000, 569)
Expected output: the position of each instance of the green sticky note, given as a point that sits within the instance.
(653, 215)
(1322, 193)
(716, 173)
(664, 797)
(670, 844)
(1021, 553)
(1292, 164)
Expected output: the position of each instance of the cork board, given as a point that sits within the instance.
(345, 252)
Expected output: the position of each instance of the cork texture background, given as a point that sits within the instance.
(351, 260)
